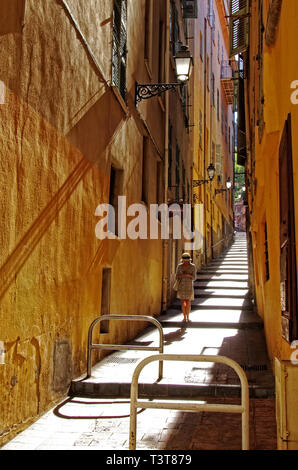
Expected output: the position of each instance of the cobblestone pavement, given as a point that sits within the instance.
(108, 428)
(222, 323)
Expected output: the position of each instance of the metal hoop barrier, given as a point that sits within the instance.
(135, 403)
(124, 347)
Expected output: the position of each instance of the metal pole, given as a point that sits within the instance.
(243, 408)
(124, 347)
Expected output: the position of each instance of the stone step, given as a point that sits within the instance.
(167, 391)
(221, 284)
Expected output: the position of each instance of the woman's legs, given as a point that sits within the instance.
(184, 307)
(187, 309)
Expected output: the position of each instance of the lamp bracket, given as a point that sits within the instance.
(219, 191)
(196, 183)
(145, 91)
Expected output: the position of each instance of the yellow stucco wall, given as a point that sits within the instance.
(61, 127)
(280, 69)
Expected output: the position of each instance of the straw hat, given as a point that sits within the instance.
(185, 257)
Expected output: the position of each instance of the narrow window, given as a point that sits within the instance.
(105, 298)
(119, 46)
(145, 171)
(116, 183)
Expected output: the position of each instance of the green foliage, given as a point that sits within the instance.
(239, 182)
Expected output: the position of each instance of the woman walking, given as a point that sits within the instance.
(185, 275)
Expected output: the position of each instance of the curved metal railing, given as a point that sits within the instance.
(124, 347)
(135, 403)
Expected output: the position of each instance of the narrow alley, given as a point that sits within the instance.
(144, 142)
(95, 415)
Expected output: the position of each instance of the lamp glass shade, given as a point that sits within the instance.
(183, 63)
(228, 183)
(183, 67)
(211, 171)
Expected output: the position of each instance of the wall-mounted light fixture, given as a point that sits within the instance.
(228, 186)
(211, 173)
(183, 66)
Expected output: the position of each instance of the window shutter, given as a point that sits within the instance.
(239, 26)
(190, 8)
(119, 46)
(288, 268)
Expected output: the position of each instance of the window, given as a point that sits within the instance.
(105, 298)
(239, 26)
(287, 238)
(190, 8)
(119, 46)
(116, 183)
(144, 196)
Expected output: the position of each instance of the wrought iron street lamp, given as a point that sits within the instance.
(183, 65)
(211, 174)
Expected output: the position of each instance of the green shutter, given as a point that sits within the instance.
(239, 26)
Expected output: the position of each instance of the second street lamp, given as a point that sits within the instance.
(183, 65)
(211, 174)
(228, 186)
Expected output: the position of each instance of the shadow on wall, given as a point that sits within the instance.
(91, 150)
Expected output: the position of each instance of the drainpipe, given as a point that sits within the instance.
(166, 158)
(272, 21)
(204, 136)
